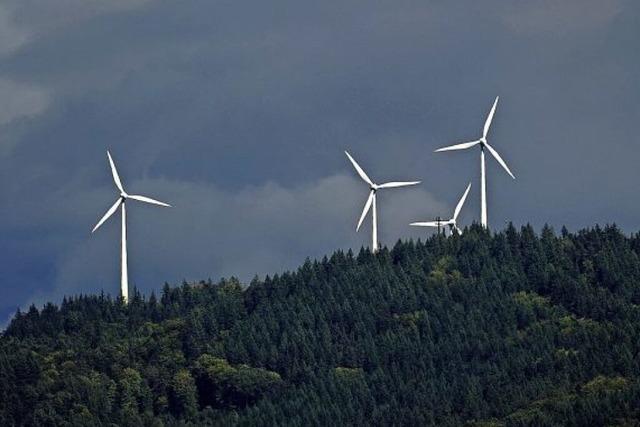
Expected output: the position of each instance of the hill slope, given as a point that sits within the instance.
(483, 329)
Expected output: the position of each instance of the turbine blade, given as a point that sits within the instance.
(361, 172)
(462, 146)
(428, 224)
(367, 206)
(457, 229)
(461, 203)
(110, 212)
(114, 172)
(487, 123)
(395, 184)
(499, 159)
(148, 200)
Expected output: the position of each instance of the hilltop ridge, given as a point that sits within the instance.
(507, 328)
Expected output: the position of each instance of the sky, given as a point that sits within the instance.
(238, 114)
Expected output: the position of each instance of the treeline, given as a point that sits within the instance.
(483, 329)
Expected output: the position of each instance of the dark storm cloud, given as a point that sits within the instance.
(238, 113)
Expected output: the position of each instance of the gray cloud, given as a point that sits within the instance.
(239, 113)
(38, 17)
(561, 17)
(20, 101)
(11, 35)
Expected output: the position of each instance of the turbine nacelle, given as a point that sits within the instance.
(482, 142)
(123, 195)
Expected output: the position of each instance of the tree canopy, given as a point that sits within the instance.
(512, 328)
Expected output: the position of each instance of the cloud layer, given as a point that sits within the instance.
(239, 113)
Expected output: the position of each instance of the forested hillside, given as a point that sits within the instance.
(512, 328)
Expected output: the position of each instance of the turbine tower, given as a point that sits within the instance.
(483, 144)
(371, 201)
(452, 222)
(120, 203)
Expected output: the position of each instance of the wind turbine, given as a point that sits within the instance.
(483, 144)
(371, 201)
(452, 222)
(120, 203)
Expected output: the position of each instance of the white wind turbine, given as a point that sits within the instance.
(371, 201)
(452, 222)
(483, 144)
(124, 277)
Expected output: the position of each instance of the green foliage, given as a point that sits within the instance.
(348, 375)
(506, 329)
(224, 386)
(603, 384)
(185, 397)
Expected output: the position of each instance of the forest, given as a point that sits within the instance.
(512, 328)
